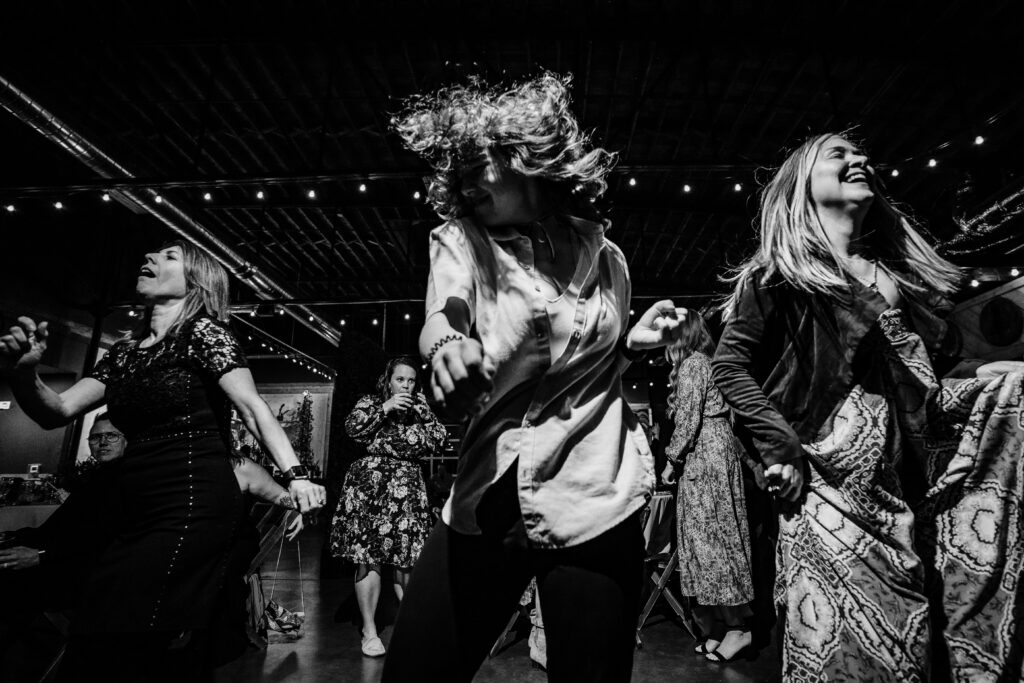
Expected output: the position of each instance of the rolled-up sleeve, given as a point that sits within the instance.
(452, 269)
(732, 370)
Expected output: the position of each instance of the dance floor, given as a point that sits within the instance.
(329, 648)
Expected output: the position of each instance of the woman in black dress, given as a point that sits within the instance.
(169, 388)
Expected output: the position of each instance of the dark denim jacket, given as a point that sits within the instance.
(787, 359)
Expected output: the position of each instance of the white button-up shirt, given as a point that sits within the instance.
(583, 461)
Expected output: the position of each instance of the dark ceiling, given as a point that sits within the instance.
(283, 98)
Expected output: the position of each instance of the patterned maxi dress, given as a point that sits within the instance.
(383, 516)
(714, 541)
(903, 560)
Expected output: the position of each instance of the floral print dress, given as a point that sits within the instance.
(383, 516)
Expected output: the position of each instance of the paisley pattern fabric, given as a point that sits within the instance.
(383, 515)
(902, 561)
(711, 513)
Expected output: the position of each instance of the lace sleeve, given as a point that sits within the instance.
(214, 349)
(106, 366)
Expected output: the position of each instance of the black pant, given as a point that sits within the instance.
(464, 589)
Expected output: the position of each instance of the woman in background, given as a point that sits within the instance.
(711, 515)
(383, 517)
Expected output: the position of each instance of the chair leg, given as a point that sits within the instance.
(503, 638)
(51, 671)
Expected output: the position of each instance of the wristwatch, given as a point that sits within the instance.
(296, 472)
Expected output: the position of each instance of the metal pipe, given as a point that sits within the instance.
(34, 115)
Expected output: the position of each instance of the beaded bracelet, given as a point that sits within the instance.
(441, 342)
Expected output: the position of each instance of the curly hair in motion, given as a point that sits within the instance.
(530, 123)
(795, 246)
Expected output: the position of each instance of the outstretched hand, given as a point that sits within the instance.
(24, 345)
(658, 326)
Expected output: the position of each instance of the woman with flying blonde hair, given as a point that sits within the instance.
(826, 363)
(711, 512)
(169, 388)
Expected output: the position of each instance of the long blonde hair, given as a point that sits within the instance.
(795, 246)
(694, 337)
(206, 290)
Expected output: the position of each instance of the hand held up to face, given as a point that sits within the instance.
(398, 402)
(461, 377)
(23, 347)
(660, 325)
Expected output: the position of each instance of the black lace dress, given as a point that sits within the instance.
(182, 504)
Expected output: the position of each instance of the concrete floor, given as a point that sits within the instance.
(329, 647)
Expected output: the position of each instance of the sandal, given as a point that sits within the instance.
(745, 652)
(703, 649)
(373, 647)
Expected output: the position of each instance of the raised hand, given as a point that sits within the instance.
(658, 326)
(398, 402)
(23, 346)
(461, 377)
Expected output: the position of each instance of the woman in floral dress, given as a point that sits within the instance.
(383, 517)
(704, 455)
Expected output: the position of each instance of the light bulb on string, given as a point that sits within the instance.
(58, 205)
(632, 182)
(979, 140)
(105, 197)
(737, 187)
(10, 208)
(362, 187)
(416, 194)
(207, 196)
(406, 316)
(932, 163)
(1014, 272)
(131, 313)
(974, 283)
(895, 173)
(342, 322)
(687, 188)
(311, 194)
(158, 199)
(375, 321)
(280, 311)
(259, 194)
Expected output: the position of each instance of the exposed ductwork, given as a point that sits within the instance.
(31, 113)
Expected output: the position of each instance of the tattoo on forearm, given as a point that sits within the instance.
(285, 501)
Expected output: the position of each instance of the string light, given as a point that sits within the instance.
(406, 316)
(252, 312)
(106, 197)
(632, 312)
(416, 194)
(362, 187)
(342, 322)
(58, 205)
(310, 318)
(375, 321)
(207, 196)
(158, 199)
(895, 173)
(632, 182)
(932, 163)
(1014, 272)
(974, 283)
(280, 311)
(979, 140)
(131, 314)
(687, 188)
(259, 194)
(737, 187)
(311, 194)
(10, 208)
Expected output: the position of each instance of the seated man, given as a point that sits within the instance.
(45, 568)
